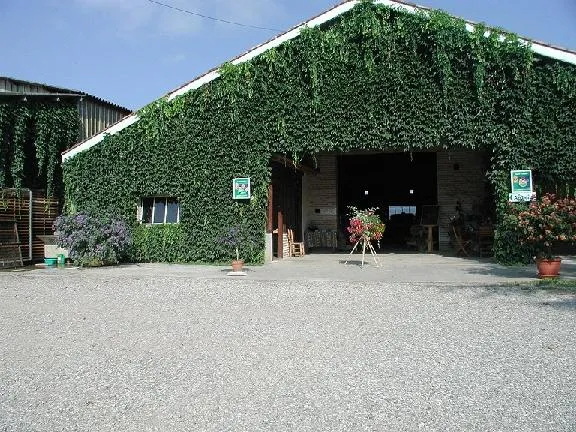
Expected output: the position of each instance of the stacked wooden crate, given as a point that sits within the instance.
(44, 212)
(10, 246)
(14, 207)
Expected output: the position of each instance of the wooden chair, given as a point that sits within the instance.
(296, 248)
(462, 246)
(485, 240)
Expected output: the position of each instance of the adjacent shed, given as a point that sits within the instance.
(95, 114)
(38, 122)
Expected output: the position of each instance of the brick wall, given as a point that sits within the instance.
(461, 177)
(320, 195)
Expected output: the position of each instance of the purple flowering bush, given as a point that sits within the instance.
(92, 241)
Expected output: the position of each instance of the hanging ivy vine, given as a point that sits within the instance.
(32, 137)
(373, 78)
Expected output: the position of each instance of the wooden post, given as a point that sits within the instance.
(270, 222)
(280, 235)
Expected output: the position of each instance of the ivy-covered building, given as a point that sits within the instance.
(372, 103)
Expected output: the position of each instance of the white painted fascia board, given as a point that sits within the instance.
(538, 48)
(197, 83)
(122, 124)
(555, 53)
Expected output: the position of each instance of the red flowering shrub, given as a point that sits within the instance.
(365, 224)
(544, 222)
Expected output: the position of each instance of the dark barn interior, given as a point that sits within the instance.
(399, 184)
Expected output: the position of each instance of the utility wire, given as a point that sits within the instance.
(212, 18)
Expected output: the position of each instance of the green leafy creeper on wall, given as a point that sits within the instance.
(373, 78)
(32, 137)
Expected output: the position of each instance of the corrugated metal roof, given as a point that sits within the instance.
(50, 89)
(547, 50)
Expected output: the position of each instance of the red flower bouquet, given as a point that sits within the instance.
(365, 225)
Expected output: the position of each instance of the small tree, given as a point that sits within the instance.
(233, 238)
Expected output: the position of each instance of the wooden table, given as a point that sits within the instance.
(430, 236)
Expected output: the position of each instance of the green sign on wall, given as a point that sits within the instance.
(241, 188)
(521, 181)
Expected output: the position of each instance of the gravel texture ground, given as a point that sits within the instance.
(101, 351)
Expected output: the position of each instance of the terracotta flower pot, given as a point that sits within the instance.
(237, 265)
(548, 268)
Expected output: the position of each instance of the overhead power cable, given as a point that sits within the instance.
(212, 18)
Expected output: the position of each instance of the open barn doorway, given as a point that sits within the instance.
(287, 200)
(399, 184)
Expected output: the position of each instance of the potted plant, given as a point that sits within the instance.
(543, 223)
(233, 238)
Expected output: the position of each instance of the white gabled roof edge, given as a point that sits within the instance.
(537, 47)
(91, 142)
(551, 52)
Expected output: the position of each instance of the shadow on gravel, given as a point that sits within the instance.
(493, 269)
(567, 271)
(357, 263)
(566, 290)
(569, 303)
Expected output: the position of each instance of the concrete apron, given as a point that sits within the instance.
(401, 267)
(393, 267)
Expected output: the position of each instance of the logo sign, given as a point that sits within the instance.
(521, 196)
(521, 180)
(241, 188)
(522, 188)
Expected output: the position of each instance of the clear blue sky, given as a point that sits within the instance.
(132, 51)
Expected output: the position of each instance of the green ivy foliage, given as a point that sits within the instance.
(32, 137)
(373, 78)
(159, 243)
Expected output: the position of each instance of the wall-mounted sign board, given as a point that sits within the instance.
(241, 188)
(522, 186)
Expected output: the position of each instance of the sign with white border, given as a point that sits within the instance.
(241, 188)
(522, 186)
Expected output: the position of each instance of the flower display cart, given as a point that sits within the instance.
(365, 226)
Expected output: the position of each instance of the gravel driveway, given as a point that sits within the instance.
(102, 351)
